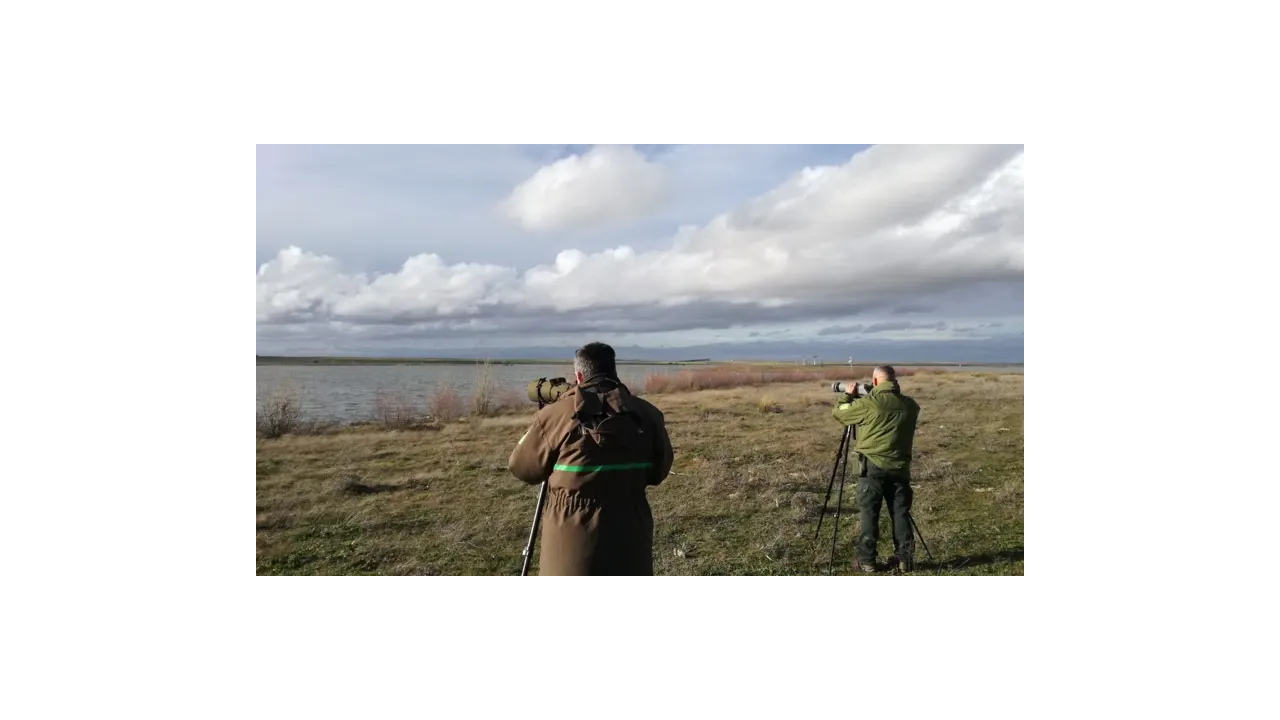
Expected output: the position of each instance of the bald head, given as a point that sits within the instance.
(883, 373)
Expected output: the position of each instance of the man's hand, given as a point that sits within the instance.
(852, 411)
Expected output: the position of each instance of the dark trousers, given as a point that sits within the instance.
(875, 485)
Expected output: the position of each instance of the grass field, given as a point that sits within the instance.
(751, 470)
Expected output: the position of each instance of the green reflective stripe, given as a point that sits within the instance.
(521, 440)
(600, 468)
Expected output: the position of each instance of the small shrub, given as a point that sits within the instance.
(767, 405)
(397, 411)
(278, 414)
(484, 393)
(510, 400)
(445, 404)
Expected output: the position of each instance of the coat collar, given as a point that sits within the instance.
(887, 386)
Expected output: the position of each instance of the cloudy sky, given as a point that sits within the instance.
(906, 253)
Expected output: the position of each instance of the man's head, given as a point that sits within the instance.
(884, 373)
(593, 360)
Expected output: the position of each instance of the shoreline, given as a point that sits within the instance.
(338, 360)
(320, 360)
(407, 411)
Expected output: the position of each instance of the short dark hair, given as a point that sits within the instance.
(595, 359)
(887, 371)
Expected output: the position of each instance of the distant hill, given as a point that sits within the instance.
(996, 350)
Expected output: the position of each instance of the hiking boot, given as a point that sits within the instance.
(861, 567)
(892, 562)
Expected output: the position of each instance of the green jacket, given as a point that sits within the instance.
(886, 423)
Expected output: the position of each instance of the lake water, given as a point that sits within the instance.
(347, 393)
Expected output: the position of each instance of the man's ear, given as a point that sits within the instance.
(578, 375)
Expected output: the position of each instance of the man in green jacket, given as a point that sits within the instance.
(886, 427)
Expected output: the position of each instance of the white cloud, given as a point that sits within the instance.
(607, 186)
(890, 226)
(299, 286)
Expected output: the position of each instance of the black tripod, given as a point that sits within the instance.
(533, 531)
(846, 442)
(537, 510)
(841, 454)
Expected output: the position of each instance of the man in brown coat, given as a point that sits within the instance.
(598, 447)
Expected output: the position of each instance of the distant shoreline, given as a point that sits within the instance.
(287, 360)
(323, 360)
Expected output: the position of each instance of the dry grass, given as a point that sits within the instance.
(722, 376)
(767, 404)
(743, 498)
(317, 427)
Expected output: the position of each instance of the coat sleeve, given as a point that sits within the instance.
(534, 456)
(664, 455)
(852, 412)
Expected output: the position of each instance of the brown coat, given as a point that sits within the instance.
(599, 449)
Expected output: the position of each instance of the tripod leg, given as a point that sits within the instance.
(844, 440)
(533, 531)
(921, 536)
(839, 501)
